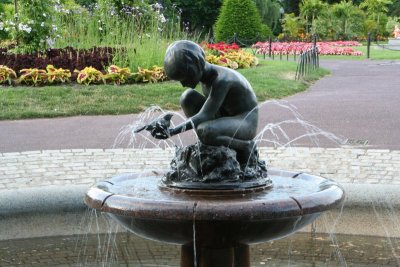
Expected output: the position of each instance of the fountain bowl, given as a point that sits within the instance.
(214, 227)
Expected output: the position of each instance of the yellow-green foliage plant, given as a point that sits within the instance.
(234, 60)
(242, 58)
(33, 76)
(222, 61)
(7, 75)
(151, 75)
(117, 75)
(57, 75)
(89, 75)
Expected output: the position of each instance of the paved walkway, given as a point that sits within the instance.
(360, 101)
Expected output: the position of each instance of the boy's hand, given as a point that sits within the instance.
(159, 127)
(160, 132)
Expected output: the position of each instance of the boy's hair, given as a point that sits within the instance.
(183, 59)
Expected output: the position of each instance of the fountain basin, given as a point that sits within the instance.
(222, 222)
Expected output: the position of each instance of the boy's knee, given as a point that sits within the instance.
(187, 97)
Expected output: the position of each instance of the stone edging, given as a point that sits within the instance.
(86, 166)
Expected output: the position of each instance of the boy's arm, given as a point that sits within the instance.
(210, 108)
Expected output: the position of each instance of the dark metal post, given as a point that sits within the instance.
(315, 40)
(368, 44)
(270, 46)
(235, 38)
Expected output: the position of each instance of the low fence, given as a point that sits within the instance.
(309, 62)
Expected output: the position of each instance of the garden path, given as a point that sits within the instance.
(360, 101)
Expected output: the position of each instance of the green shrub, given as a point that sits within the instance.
(194, 13)
(6, 14)
(35, 25)
(240, 17)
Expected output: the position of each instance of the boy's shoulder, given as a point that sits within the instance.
(228, 76)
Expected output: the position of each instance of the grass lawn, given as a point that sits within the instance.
(271, 79)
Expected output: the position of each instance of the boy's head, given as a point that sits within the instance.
(184, 61)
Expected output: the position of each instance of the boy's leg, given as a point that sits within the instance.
(244, 149)
(191, 102)
(233, 132)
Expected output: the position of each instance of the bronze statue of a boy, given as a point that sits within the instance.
(225, 114)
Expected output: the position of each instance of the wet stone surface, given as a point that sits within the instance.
(126, 249)
(212, 165)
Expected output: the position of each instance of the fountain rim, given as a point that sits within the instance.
(216, 209)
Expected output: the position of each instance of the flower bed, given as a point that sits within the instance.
(85, 66)
(89, 75)
(324, 48)
(66, 58)
(228, 55)
(94, 66)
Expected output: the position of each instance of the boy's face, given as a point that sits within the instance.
(189, 83)
(192, 78)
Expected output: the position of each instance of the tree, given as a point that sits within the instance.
(240, 17)
(395, 9)
(350, 18)
(376, 9)
(310, 10)
(291, 25)
(201, 14)
(376, 12)
(327, 25)
(343, 11)
(291, 6)
(270, 12)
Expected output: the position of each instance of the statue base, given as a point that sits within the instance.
(200, 166)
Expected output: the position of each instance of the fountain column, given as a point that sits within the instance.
(238, 256)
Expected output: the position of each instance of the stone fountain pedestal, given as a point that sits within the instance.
(214, 227)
